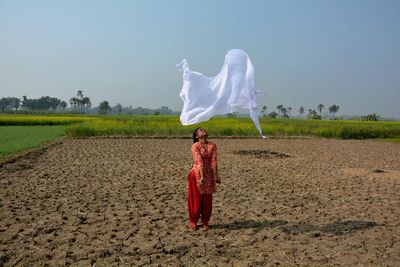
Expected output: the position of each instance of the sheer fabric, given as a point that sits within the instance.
(233, 87)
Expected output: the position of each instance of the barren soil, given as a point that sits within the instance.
(123, 202)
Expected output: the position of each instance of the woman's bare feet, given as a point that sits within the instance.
(193, 226)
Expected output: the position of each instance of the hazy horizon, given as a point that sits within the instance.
(305, 53)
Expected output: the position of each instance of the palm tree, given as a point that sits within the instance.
(73, 102)
(333, 109)
(301, 110)
(289, 110)
(63, 105)
(79, 94)
(279, 109)
(320, 108)
(264, 111)
(86, 102)
(336, 109)
(284, 112)
(79, 100)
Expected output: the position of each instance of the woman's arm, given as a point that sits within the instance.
(214, 164)
(198, 161)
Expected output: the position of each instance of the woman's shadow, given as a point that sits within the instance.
(335, 228)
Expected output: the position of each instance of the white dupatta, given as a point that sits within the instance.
(233, 87)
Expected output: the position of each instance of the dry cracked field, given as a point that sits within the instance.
(108, 202)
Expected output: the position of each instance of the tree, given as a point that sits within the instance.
(86, 102)
(79, 102)
(73, 102)
(333, 109)
(320, 108)
(4, 103)
(63, 105)
(273, 115)
(284, 112)
(15, 103)
(279, 107)
(232, 114)
(165, 110)
(264, 111)
(10, 103)
(312, 114)
(371, 117)
(118, 109)
(104, 107)
(44, 103)
(301, 110)
(79, 94)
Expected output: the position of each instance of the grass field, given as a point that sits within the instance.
(18, 132)
(29, 120)
(18, 138)
(223, 126)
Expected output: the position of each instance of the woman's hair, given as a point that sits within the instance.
(195, 139)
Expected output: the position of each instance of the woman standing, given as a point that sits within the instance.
(202, 179)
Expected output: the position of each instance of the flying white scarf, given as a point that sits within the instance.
(233, 87)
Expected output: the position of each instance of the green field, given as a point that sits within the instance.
(18, 138)
(29, 120)
(223, 126)
(161, 125)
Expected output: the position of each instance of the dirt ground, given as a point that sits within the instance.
(109, 202)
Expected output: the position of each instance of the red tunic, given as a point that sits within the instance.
(205, 159)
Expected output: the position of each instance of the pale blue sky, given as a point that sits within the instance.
(344, 52)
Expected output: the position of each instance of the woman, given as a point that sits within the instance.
(202, 179)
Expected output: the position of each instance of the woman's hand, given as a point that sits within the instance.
(201, 181)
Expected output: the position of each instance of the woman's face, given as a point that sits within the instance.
(201, 133)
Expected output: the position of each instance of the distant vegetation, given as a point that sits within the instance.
(371, 117)
(286, 112)
(81, 119)
(79, 104)
(169, 125)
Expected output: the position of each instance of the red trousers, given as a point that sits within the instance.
(199, 205)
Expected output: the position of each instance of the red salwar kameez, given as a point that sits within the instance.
(200, 195)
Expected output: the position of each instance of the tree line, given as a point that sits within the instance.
(285, 112)
(79, 104)
(82, 104)
(39, 104)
